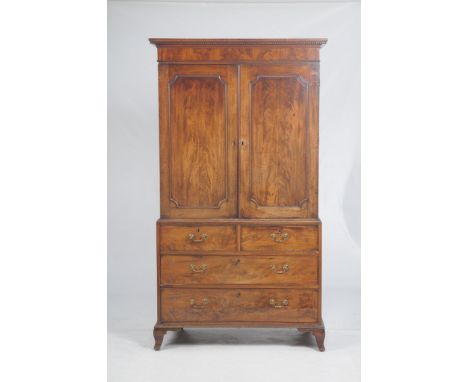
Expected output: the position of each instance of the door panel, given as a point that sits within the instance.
(279, 132)
(278, 138)
(198, 133)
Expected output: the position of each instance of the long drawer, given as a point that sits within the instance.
(279, 238)
(198, 238)
(237, 305)
(247, 269)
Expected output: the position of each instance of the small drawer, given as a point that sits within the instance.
(247, 269)
(249, 305)
(284, 238)
(197, 238)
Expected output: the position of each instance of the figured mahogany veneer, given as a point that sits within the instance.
(239, 239)
(198, 238)
(282, 238)
(237, 50)
(198, 140)
(203, 270)
(215, 305)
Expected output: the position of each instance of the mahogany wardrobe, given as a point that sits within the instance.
(239, 238)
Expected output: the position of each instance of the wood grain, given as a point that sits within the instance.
(233, 54)
(258, 238)
(211, 269)
(176, 238)
(239, 239)
(279, 169)
(238, 50)
(278, 155)
(239, 305)
(199, 175)
(198, 135)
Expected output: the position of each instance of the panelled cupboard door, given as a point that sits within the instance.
(279, 141)
(198, 140)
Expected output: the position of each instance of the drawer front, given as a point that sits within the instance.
(198, 238)
(258, 305)
(284, 238)
(247, 269)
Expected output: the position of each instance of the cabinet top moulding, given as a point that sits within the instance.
(237, 50)
(237, 41)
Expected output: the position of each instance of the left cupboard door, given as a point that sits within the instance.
(198, 140)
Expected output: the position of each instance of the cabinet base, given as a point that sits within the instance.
(317, 329)
(318, 333)
(159, 333)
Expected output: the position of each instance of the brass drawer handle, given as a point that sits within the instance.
(281, 305)
(284, 269)
(202, 268)
(194, 239)
(279, 236)
(198, 306)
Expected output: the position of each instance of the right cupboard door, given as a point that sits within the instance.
(279, 141)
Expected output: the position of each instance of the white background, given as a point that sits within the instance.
(53, 196)
(133, 197)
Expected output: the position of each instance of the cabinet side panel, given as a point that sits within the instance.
(163, 72)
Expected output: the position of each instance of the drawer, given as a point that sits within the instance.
(247, 269)
(284, 238)
(254, 305)
(198, 238)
